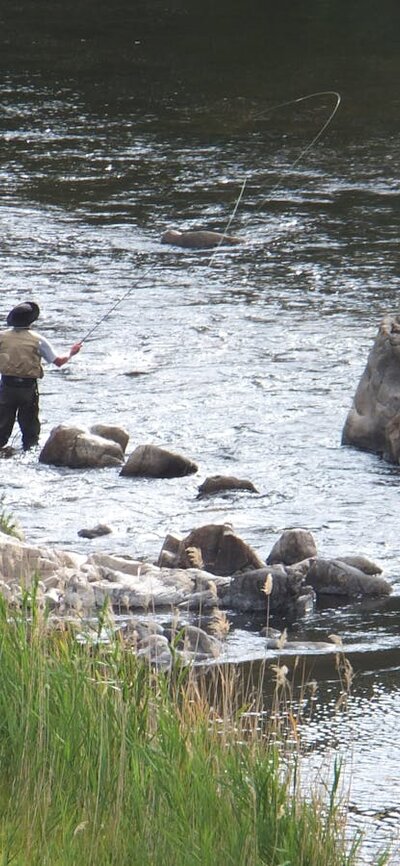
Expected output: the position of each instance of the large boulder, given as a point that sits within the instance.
(373, 422)
(294, 545)
(274, 590)
(335, 577)
(80, 449)
(153, 462)
(214, 547)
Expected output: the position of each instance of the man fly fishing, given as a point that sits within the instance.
(21, 354)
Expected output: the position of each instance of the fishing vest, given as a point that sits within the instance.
(20, 353)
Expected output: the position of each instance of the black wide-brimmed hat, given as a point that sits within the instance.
(23, 315)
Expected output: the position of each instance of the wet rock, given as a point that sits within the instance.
(305, 604)
(79, 595)
(373, 422)
(198, 239)
(221, 483)
(7, 451)
(156, 651)
(153, 462)
(334, 577)
(362, 563)
(95, 532)
(79, 449)
(190, 638)
(115, 434)
(292, 547)
(276, 639)
(202, 600)
(113, 562)
(154, 589)
(246, 592)
(270, 633)
(222, 551)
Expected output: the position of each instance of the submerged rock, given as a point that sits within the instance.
(154, 462)
(201, 239)
(221, 483)
(95, 532)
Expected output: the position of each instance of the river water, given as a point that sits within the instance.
(245, 360)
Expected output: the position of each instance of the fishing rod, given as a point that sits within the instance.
(298, 158)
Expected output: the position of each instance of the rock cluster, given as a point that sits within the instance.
(211, 568)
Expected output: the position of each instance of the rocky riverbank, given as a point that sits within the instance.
(210, 572)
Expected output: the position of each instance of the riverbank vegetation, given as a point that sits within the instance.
(104, 761)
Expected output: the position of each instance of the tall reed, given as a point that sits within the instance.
(103, 762)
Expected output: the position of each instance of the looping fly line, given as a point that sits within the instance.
(243, 186)
(298, 159)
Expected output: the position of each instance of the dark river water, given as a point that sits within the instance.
(116, 125)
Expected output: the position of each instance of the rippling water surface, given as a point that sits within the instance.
(245, 360)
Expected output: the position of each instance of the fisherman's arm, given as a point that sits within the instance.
(47, 352)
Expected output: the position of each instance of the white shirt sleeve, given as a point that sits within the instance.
(46, 350)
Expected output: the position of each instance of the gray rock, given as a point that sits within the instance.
(293, 546)
(153, 462)
(333, 577)
(136, 630)
(246, 591)
(362, 563)
(79, 449)
(270, 633)
(203, 600)
(373, 422)
(108, 431)
(156, 652)
(195, 640)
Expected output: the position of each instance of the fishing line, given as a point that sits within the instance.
(243, 187)
(106, 315)
(292, 165)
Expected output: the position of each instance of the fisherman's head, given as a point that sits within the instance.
(23, 315)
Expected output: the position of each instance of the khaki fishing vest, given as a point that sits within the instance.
(20, 354)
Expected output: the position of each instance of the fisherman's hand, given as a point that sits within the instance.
(75, 349)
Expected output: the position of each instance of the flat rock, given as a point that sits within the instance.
(200, 239)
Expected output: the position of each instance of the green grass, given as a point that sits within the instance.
(103, 762)
(8, 524)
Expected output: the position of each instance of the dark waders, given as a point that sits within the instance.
(19, 400)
